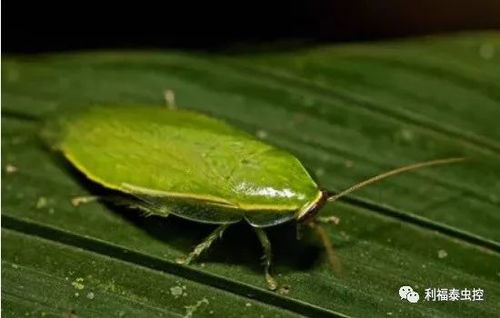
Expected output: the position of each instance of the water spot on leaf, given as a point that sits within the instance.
(190, 310)
(78, 283)
(176, 291)
(41, 202)
(442, 254)
(10, 169)
(262, 134)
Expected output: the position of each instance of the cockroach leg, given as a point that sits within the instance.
(203, 246)
(266, 245)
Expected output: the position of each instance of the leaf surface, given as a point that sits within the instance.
(347, 112)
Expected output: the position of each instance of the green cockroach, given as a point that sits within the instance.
(180, 162)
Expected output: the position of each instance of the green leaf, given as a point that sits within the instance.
(347, 111)
(49, 279)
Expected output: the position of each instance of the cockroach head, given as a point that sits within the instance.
(309, 212)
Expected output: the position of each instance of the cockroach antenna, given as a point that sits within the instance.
(393, 172)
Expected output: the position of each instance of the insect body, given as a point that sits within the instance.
(193, 166)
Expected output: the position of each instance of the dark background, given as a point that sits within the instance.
(31, 27)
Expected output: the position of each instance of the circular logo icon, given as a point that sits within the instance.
(407, 293)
